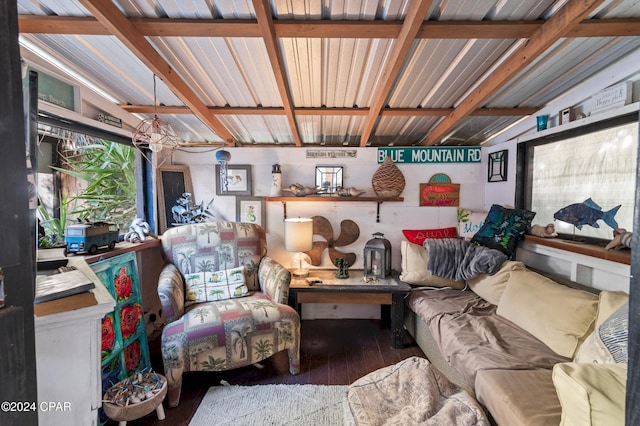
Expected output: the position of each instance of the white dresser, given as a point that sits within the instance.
(68, 346)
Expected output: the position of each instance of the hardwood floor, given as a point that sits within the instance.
(333, 352)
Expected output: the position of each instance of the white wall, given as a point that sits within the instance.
(394, 216)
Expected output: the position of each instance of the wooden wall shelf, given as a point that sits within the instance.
(619, 256)
(335, 199)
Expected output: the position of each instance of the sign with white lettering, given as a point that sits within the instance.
(55, 91)
(439, 154)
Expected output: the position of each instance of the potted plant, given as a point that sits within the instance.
(52, 233)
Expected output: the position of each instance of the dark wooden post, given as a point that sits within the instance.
(18, 377)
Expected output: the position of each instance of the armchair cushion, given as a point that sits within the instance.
(219, 285)
(171, 292)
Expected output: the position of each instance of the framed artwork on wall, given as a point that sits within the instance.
(250, 210)
(238, 180)
(173, 181)
(566, 115)
(497, 171)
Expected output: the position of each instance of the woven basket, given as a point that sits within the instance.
(135, 411)
(388, 180)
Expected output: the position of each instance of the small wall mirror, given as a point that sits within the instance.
(328, 178)
(498, 166)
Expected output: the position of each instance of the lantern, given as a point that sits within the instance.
(377, 257)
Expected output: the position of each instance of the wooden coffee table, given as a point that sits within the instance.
(390, 291)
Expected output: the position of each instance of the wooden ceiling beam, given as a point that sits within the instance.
(267, 29)
(164, 27)
(570, 15)
(386, 112)
(410, 26)
(118, 25)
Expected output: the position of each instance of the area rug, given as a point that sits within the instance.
(274, 405)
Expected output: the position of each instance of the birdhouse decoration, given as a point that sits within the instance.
(377, 257)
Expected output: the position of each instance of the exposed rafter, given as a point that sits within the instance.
(109, 16)
(386, 112)
(265, 22)
(410, 26)
(571, 14)
(172, 27)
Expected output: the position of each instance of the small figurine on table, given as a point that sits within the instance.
(343, 268)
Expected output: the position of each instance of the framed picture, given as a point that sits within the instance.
(328, 178)
(173, 181)
(250, 210)
(566, 115)
(498, 166)
(238, 180)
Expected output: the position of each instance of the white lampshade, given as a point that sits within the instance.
(298, 234)
(298, 237)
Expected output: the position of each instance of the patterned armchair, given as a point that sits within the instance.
(232, 332)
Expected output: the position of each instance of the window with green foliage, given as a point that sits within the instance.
(597, 163)
(87, 179)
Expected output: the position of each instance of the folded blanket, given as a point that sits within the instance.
(458, 259)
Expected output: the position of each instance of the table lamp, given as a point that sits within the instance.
(298, 237)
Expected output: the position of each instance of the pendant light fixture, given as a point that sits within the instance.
(223, 157)
(155, 135)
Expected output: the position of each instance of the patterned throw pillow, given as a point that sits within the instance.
(614, 333)
(503, 229)
(417, 236)
(212, 286)
(469, 222)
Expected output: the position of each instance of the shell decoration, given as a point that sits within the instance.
(388, 180)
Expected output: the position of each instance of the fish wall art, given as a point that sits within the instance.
(587, 213)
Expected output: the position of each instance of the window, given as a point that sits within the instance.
(598, 162)
(82, 177)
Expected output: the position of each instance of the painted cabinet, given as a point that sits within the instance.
(124, 348)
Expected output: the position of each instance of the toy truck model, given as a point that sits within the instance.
(88, 237)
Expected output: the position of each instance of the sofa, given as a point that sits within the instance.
(532, 349)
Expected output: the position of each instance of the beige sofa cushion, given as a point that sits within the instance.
(609, 302)
(519, 397)
(491, 287)
(414, 268)
(559, 316)
(591, 394)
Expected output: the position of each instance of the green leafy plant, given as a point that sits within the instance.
(53, 226)
(109, 170)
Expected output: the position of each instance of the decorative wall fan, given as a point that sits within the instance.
(349, 233)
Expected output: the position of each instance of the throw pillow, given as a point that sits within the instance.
(212, 286)
(614, 333)
(593, 349)
(559, 316)
(414, 268)
(491, 287)
(469, 221)
(591, 394)
(504, 228)
(417, 236)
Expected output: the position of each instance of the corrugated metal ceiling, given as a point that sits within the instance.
(340, 77)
